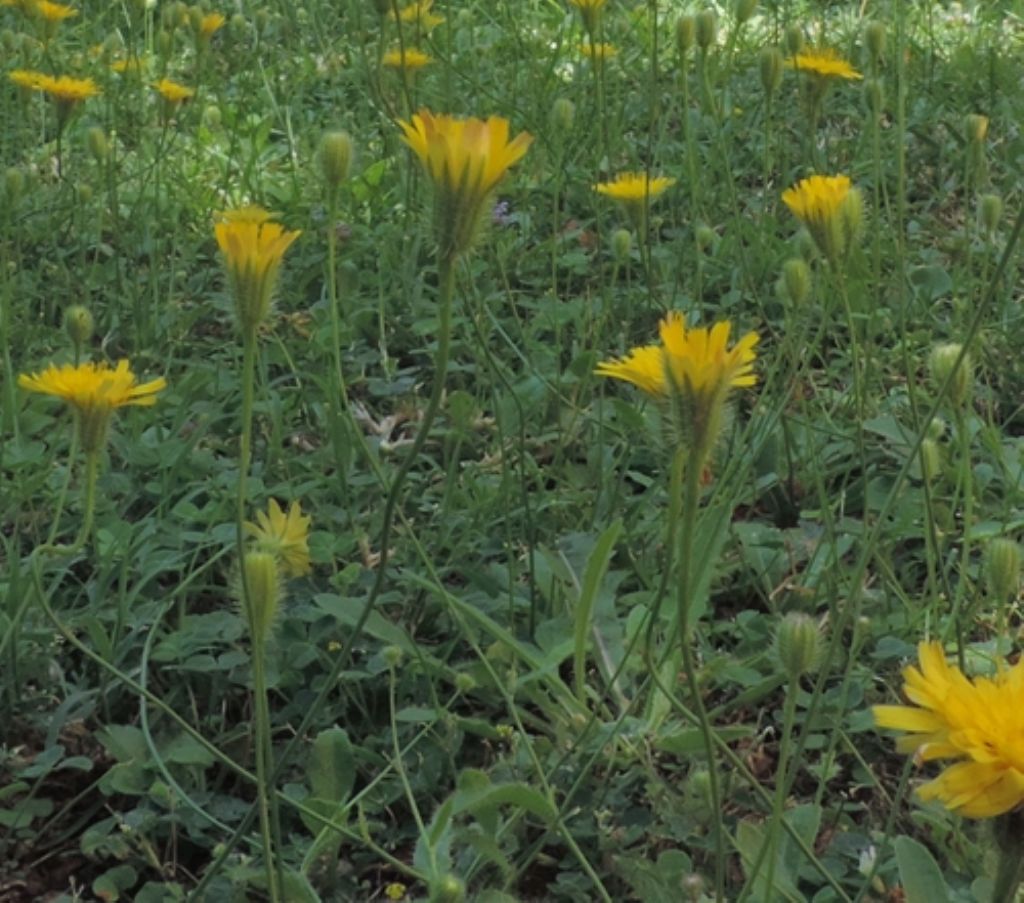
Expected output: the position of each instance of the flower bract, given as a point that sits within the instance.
(977, 722)
(283, 535)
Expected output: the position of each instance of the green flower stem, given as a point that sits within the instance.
(1009, 832)
(694, 464)
(337, 377)
(781, 787)
(261, 711)
(965, 485)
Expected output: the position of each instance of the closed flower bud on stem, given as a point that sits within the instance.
(771, 70)
(563, 115)
(743, 10)
(264, 589)
(14, 185)
(874, 96)
(976, 127)
(795, 282)
(707, 29)
(794, 39)
(622, 245)
(931, 460)
(798, 645)
(1002, 568)
(335, 158)
(96, 139)
(79, 325)
(943, 364)
(448, 889)
(686, 34)
(875, 38)
(990, 211)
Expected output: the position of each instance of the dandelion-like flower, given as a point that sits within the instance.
(979, 723)
(598, 53)
(52, 12)
(286, 536)
(824, 62)
(632, 188)
(830, 208)
(94, 391)
(67, 90)
(590, 12)
(26, 79)
(692, 368)
(408, 60)
(420, 13)
(465, 159)
(209, 24)
(172, 92)
(253, 247)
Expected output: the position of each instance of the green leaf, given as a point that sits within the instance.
(597, 565)
(519, 795)
(111, 884)
(921, 876)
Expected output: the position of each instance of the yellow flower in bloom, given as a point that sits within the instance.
(634, 187)
(28, 79)
(420, 14)
(824, 204)
(94, 391)
(253, 248)
(285, 536)
(590, 12)
(598, 52)
(824, 62)
(693, 370)
(210, 23)
(67, 90)
(172, 92)
(979, 722)
(409, 60)
(395, 890)
(53, 12)
(131, 65)
(465, 159)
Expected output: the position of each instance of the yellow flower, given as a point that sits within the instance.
(284, 535)
(67, 90)
(395, 890)
(978, 722)
(419, 13)
(253, 248)
(694, 361)
(823, 62)
(826, 205)
(94, 391)
(410, 60)
(598, 52)
(210, 23)
(53, 12)
(172, 92)
(634, 187)
(465, 159)
(28, 79)
(590, 12)
(131, 65)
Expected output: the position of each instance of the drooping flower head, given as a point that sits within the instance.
(253, 247)
(823, 63)
(286, 536)
(979, 723)
(93, 391)
(693, 369)
(408, 60)
(830, 208)
(465, 159)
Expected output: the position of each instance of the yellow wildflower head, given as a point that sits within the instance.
(129, 65)
(52, 12)
(67, 92)
(590, 12)
(465, 159)
(634, 190)
(253, 247)
(408, 60)
(208, 24)
(283, 535)
(26, 79)
(598, 53)
(823, 63)
(395, 890)
(693, 369)
(830, 208)
(94, 392)
(419, 13)
(978, 723)
(172, 92)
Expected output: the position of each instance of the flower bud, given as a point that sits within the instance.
(851, 214)
(261, 19)
(771, 69)
(84, 192)
(335, 158)
(8, 40)
(931, 460)
(976, 126)
(936, 428)
(622, 245)
(990, 211)
(744, 9)
(943, 365)
(707, 28)
(875, 38)
(874, 96)
(448, 889)
(96, 139)
(263, 589)
(798, 645)
(79, 325)
(806, 246)
(164, 43)
(693, 888)
(195, 18)
(795, 282)
(392, 656)
(14, 185)
(212, 117)
(563, 115)
(706, 237)
(794, 39)
(1002, 568)
(464, 683)
(238, 25)
(686, 34)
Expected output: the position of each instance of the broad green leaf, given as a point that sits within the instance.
(922, 879)
(111, 884)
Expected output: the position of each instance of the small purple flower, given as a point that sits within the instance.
(501, 214)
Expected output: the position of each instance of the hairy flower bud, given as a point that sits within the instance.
(798, 645)
(942, 363)
(622, 245)
(744, 9)
(794, 39)
(875, 38)
(795, 282)
(79, 325)
(1002, 568)
(931, 460)
(563, 115)
(707, 28)
(335, 158)
(990, 211)
(96, 139)
(771, 69)
(686, 34)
